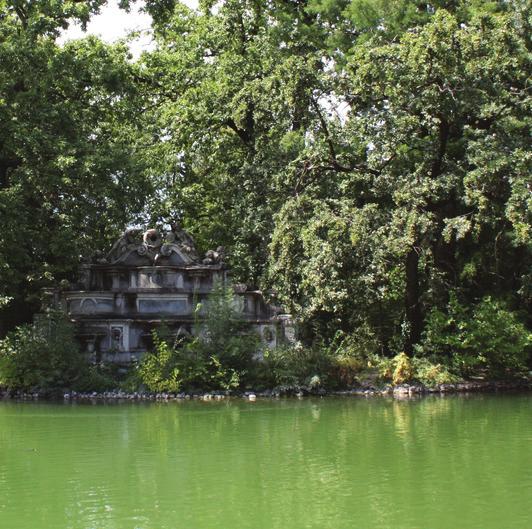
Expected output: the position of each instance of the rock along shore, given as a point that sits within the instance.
(399, 392)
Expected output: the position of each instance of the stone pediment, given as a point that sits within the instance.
(151, 248)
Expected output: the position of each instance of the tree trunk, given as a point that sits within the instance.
(5, 165)
(412, 302)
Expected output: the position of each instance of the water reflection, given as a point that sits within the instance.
(433, 462)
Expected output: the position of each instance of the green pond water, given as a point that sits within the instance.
(452, 462)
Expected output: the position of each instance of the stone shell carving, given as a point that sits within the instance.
(142, 249)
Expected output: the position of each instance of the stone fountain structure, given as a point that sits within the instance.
(152, 278)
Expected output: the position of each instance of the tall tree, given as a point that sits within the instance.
(344, 139)
(233, 88)
(70, 174)
(431, 169)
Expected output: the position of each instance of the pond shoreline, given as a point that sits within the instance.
(399, 391)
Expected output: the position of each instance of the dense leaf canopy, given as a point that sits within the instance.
(362, 159)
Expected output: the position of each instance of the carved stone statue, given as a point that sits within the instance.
(99, 257)
(127, 241)
(183, 239)
(214, 256)
(152, 238)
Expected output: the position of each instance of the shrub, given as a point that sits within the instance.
(224, 377)
(43, 355)
(98, 377)
(350, 354)
(385, 368)
(294, 365)
(403, 369)
(218, 358)
(432, 374)
(159, 371)
(227, 336)
(486, 336)
(345, 370)
(361, 343)
(499, 339)
(190, 366)
(396, 370)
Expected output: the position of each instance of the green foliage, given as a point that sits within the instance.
(48, 18)
(160, 370)
(397, 370)
(486, 336)
(351, 354)
(99, 378)
(361, 344)
(234, 102)
(403, 369)
(225, 335)
(346, 369)
(224, 377)
(42, 356)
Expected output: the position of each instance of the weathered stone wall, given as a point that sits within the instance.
(150, 278)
